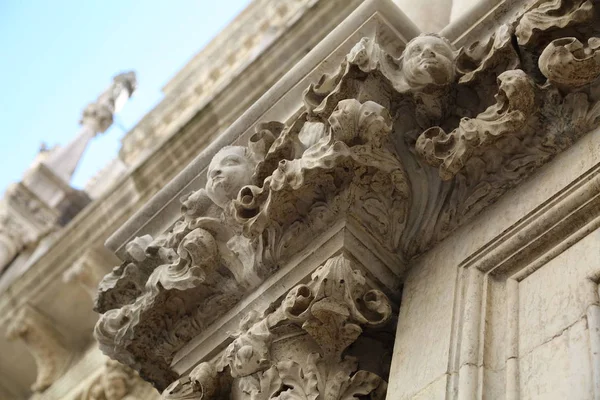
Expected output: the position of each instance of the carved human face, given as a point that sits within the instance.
(228, 172)
(428, 60)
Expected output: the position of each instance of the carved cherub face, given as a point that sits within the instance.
(228, 172)
(428, 59)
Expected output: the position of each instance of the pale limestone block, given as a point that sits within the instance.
(559, 369)
(558, 294)
(493, 383)
(423, 335)
(436, 390)
(494, 352)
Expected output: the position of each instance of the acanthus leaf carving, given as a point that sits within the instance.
(550, 16)
(355, 153)
(297, 351)
(410, 148)
(567, 63)
(515, 104)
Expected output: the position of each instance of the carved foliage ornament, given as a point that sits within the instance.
(233, 234)
(301, 349)
(411, 148)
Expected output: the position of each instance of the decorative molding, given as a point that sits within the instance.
(551, 229)
(43, 341)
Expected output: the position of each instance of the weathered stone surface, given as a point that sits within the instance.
(411, 150)
(345, 156)
(117, 382)
(307, 347)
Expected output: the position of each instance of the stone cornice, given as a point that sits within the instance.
(40, 282)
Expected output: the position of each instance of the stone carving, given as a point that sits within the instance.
(221, 248)
(487, 59)
(179, 278)
(302, 349)
(44, 343)
(552, 16)
(515, 103)
(229, 171)
(204, 382)
(428, 60)
(355, 138)
(20, 197)
(24, 220)
(117, 382)
(12, 239)
(409, 147)
(567, 63)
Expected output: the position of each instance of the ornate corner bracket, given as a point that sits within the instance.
(315, 343)
(401, 150)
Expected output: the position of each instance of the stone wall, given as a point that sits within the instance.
(507, 305)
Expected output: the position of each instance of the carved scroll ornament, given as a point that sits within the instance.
(222, 247)
(567, 63)
(515, 104)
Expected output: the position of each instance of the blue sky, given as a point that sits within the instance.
(57, 56)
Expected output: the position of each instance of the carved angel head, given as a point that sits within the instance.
(428, 59)
(230, 170)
